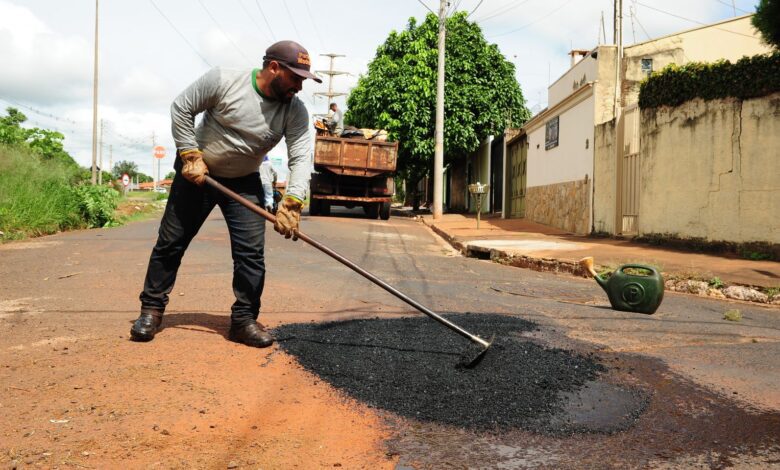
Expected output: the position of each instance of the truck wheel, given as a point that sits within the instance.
(384, 211)
(372, 210)
(314, 207)
(324, 208)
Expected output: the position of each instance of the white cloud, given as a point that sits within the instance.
(39, 65)
(141, 88)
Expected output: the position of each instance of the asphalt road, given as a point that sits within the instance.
(711, 388)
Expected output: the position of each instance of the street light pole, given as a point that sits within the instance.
(438, 157)
(95, 102)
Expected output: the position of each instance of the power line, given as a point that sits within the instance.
(696, 22)
(636, 17)
(475, 9)
(273, 36)
(732, 5)
(454, 8)
(314, 23)
(292, 20)
(534, 21)
(426, 6)
(223, 31)
(502, 10)
(39, 112)
(252, 18)
(180, 34)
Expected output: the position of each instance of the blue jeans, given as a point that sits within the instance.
(187, 209)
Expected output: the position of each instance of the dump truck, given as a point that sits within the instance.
(353, 172)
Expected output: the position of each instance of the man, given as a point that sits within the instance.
(245, 114)
(336, 120)
(268, 179)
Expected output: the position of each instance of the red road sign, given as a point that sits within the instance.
(125, 179)
(159, 152)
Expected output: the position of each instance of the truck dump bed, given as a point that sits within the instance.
(355, 157)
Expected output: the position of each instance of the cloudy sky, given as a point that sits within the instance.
(151, 49)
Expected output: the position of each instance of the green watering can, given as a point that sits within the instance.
(631, 292)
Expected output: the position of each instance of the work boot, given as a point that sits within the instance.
(251, 334)
(146, 326)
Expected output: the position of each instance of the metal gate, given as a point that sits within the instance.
(629, 171)
(518, 156)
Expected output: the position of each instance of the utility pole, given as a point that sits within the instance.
(619, 58)
(331, 73)
(438, 156)
(100, 172)
(603, 32)
(95, 101)
(618, 114)
(154, 181)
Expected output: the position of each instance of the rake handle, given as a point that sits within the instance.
(346, 262)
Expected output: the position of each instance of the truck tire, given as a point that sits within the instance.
(314, 207)
(372, 210)
(324, 208)
(384, 211)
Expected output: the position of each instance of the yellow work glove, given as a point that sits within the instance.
(288, 217)
(194, 169)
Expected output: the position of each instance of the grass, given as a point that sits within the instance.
(40, 196)
(36, 196)
(733, 315)
(140, 205)
(772, 292)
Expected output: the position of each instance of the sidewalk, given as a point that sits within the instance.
(523, 243)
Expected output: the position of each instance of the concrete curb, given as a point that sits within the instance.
(400, 212)
(559, 266)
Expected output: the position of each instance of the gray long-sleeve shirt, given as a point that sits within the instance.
(240, 125)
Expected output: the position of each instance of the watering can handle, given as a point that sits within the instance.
(639, 266)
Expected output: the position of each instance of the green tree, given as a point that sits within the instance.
(43, 142)
(170, 175)
(48, 144)
(124, 166)
(767, 21)
(11, 131)
(482, 96)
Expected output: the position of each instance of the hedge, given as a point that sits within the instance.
(749, 77)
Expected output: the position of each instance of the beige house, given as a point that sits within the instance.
(564, 168)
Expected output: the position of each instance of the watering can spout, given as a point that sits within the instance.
(587, 264)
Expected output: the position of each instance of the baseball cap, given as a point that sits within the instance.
(293, 56)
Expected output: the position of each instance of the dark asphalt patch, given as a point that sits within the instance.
(407, 366)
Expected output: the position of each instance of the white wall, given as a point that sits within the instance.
(583, 72)
(570, 160)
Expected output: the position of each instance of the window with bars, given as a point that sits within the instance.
(551, 133)
(647, 67)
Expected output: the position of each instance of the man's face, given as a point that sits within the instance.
(285, 84)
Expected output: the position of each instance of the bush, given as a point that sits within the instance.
(38, 196)
(35, 194)
(96, 204)
(749, 77)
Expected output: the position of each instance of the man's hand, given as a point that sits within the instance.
(288, 217)
(194, 169)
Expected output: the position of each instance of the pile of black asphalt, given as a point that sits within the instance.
(408, 366)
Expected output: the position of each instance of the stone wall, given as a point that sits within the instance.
(562, 205)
